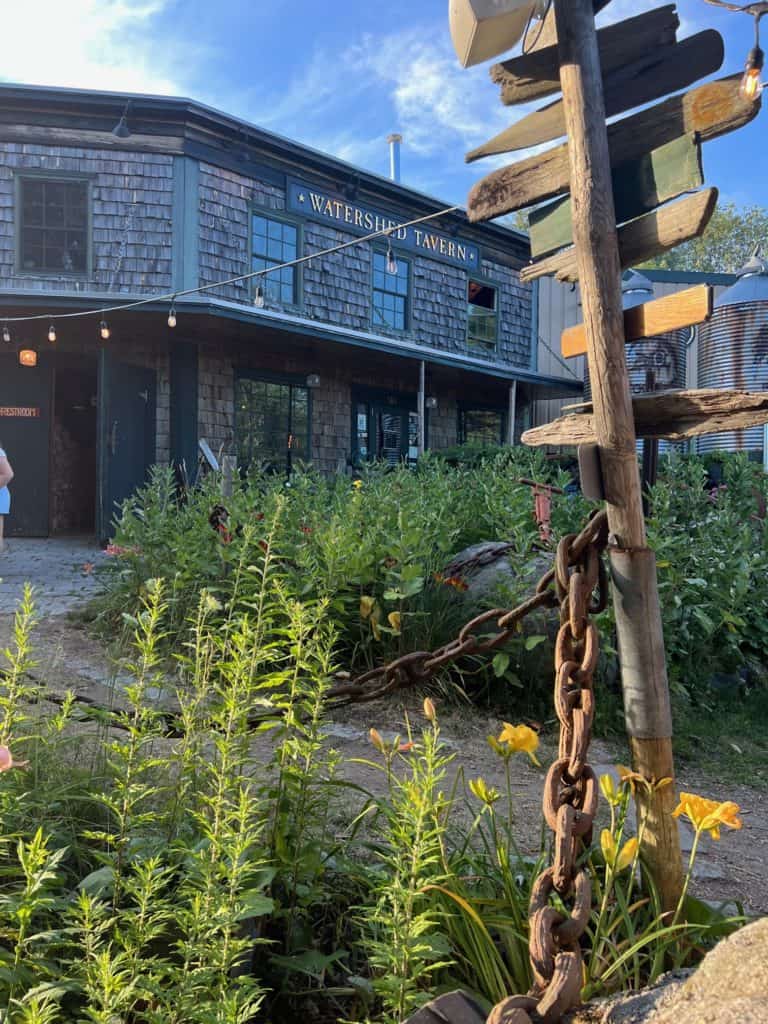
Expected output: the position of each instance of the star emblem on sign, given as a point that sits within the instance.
(302, 197)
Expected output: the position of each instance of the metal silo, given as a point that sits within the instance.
(733, 352)
(654, 364)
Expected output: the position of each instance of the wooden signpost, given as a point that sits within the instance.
(622, 182)
(672, 313)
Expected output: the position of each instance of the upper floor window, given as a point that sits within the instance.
(273, 242)
(390, 292)
(53, 225)
(482, 315)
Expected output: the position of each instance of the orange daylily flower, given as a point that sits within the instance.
(708, 815)
(7, 762)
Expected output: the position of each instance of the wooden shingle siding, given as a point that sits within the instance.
(131, 230)
(336, 289)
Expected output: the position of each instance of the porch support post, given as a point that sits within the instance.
(422, 408)
(512, 413)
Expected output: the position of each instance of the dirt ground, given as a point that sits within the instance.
(734, 868)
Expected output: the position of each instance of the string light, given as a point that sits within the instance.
(751, 83)
(258, 298)
(104, 330)
(153, 299)
(391, 261)
(6, 334)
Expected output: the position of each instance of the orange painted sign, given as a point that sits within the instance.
(19, 411)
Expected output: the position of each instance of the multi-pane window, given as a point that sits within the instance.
(482, 315)
(390, 293)
(53, 225)
(482, 426)
(271, 424)
(274, 242)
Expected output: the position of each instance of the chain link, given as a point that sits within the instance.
(570, 789)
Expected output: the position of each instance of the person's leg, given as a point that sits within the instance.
(2, 541)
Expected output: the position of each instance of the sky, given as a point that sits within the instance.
(336, 76)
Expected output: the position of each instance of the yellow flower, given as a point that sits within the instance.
(357, 484)
(377, 740)
(520, 737)
(394, 620)
(609, 791)
(485, 793)
(617, 861)
(430, 711)
(708, 815)
(497, 748)
(633, 779)
(366, 606)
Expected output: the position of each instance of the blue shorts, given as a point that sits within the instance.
(5, 501)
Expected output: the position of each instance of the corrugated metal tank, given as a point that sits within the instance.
(733, 351)
(654, 364)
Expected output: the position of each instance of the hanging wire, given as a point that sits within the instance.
(173, 296)
(526, 48)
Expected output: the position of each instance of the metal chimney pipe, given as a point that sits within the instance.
(394, 141)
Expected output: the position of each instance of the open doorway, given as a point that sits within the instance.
(73, 446)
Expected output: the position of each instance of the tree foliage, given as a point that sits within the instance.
(725, 246)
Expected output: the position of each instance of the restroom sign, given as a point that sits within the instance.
(23, 412)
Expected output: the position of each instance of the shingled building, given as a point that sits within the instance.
(106, 198)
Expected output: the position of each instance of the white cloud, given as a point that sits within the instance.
(91, 44)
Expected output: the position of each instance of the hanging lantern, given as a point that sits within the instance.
(27, 357)
(483, 29)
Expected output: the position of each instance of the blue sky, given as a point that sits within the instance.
(338, 76)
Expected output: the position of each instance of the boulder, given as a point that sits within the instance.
(730, 987)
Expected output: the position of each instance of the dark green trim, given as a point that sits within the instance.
(257, 209)
(290, 380)
(535, 297)
(41, 173)
(407, 259)
(464, 407)
(183, 381)
(185, 254)
(557, 386)
(687, 276)
(474, 347)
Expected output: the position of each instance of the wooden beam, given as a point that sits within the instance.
(638, 187)
(640, 638)
(710, 110)
(656, 74)
(537, 74)
(546, 35)
(673, 416)
(640, 239)
(672, 313)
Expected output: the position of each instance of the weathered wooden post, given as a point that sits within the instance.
(638, 619)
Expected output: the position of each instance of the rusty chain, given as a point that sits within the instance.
(570, 790)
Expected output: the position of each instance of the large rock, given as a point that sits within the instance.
(730, 987)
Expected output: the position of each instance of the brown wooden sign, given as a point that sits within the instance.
(674, 415)
(672, 313)
(538, 74)
(638, 187)
(657, 73)
(710, 110)
(641, 239)
(24, 412)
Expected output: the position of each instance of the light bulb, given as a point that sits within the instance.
(391, 261)
(104, 330)
(172, 317)
(52, 333)
(6, 334)
(751, 83)
(258, 298)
